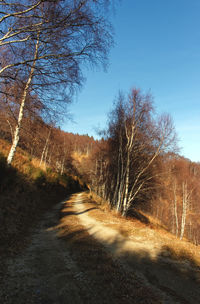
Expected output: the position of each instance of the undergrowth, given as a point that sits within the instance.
(26, 192)
(170, 247)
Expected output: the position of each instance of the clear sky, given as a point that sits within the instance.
(157, 48)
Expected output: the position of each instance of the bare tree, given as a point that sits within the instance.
(136, 139)
(52, 41)
(16, 27)
(175, 207)
(186, 197)
(21, 110)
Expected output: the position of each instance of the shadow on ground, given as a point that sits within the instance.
(67, 213)
(136, 214)
(126, 276)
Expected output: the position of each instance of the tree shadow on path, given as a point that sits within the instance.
(119, 274)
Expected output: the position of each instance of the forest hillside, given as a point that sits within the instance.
(27, 190)
(113, 220)
(168, 190)
(137, 166)
(85, 239)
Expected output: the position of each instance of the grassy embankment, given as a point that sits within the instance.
(26, 191)
(145, 227)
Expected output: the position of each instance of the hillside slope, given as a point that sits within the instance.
(27, 190)
(170, 268)
(82, 253)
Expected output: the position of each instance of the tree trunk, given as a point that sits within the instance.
(175, 210)
(21, 110)
(186, 202)
(118, 192)
(121, 187)
(45, 148)
(125, 202)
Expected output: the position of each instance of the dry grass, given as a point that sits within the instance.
(4, 147)
(153, 232)
(22, 161)
(79, 156)
(36, 163)
(26, 192)
(108, 281)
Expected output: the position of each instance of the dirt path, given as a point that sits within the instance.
(73, 258)
(40, 273)
(64, 264)
(173, 281)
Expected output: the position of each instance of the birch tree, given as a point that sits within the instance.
(18, 22)
(136, 138)
(175, 207)
(186, 200)
(64, 35)
(45, 149)
(21, 110)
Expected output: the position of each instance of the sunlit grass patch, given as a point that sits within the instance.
(153, 233)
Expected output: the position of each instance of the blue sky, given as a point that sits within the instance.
(157, 48)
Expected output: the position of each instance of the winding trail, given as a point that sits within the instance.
(109, 237)
(174, 281)
(73, 258)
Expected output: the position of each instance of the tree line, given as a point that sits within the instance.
(137, 165)
(44, 45)
(52, 147)
(127, 164)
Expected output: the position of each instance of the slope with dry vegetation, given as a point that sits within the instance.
(136, 165)
(27, 189)
(89, 253)
(82, 252)
(169, 267)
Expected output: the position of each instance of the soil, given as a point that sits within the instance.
(75, 257)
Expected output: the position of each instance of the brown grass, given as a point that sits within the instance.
(22, 161)
(36, 163)
(109, 283)
(26, 191)
(79, 156)
(154, 232)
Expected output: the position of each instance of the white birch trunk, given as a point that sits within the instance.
(45, 148)
(117, 193)
(184, 212)
(186, 202)
(45, 156)
(125, 202)
(117, 184)
(175, 210)
(21, 110)
(121, 186)
(62, 166)
(130, 137)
